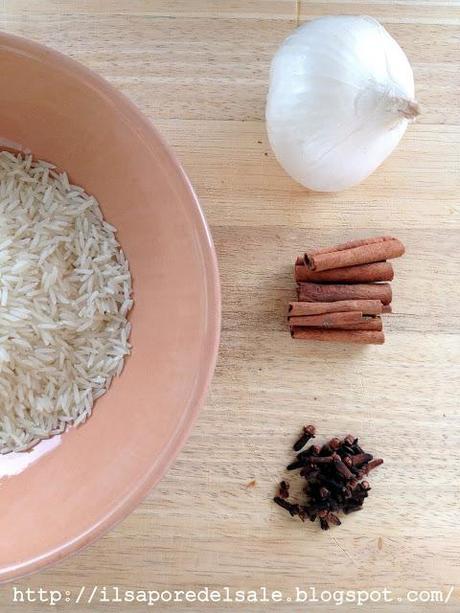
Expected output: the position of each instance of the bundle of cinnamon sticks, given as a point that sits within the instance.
(343, 291)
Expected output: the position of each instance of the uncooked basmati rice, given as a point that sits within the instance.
(65, 292)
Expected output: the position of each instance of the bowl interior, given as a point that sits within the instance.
(97, 473)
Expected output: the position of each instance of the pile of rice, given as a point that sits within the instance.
(65, 292)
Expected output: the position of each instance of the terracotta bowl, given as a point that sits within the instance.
(70, 490)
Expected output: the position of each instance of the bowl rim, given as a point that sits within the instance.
(158, 469)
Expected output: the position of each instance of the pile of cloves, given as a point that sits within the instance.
(334, 475)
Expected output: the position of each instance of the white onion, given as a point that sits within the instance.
(341, 96)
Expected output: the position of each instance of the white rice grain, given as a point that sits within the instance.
(65, 292)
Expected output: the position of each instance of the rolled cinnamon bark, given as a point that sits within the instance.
(313, 292)
(363, 273)
(367, 307)
(355, 253)
(370, 323)
(352, 244)
(365, 337)
(387, 308)
(365, 323)
(328, 320)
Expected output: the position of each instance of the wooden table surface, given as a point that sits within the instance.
(198, 69)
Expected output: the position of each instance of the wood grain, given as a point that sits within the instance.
(198, 69)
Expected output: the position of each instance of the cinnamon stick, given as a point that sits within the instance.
(370, 323)
(328, 320)
(355, 253)
(363, 273)
(365, 337)
(313, 292)
(365, 323)
(387, 308)
(351, 244)
(367, 307)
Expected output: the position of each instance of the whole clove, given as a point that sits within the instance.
(321, 459)
(333, 475)
(323, 523)
(313, 450)
(307, 434)
(373, 465)
(284, 490)
(360, 459)
(333, 519)
(335, 443)
(342, 469)
(292, 508)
